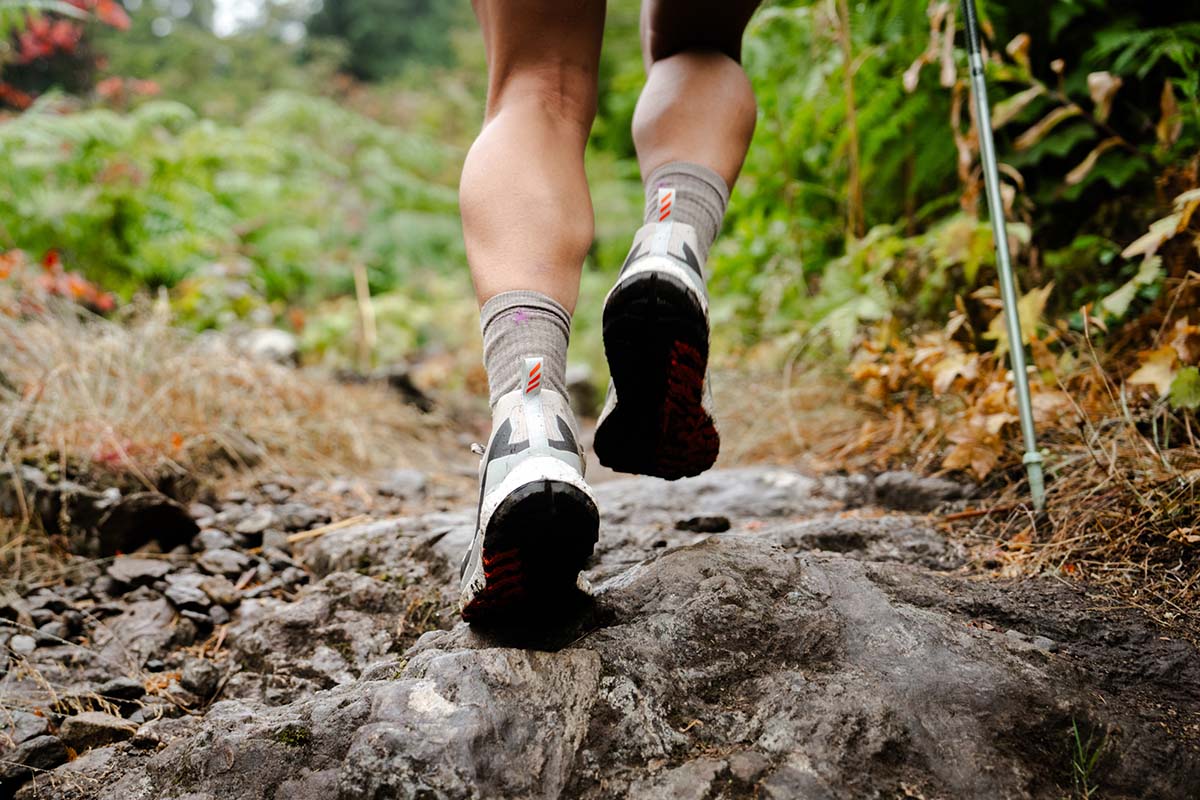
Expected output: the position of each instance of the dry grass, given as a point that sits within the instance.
(1123, 502)
(784, 416)
(147, 400)
(1123, 505)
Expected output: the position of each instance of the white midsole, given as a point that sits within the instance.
(530, 470)
(662, 264)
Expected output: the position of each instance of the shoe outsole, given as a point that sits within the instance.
(656, 341)
(537, 541)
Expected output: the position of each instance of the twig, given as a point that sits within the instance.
(324, 529)
(980, 512)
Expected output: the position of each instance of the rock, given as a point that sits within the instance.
(218, 615)
(94, 729)
(270, 344)
(106, 586)
(300, 516)
(122, 688)
(746, 766)
(134, 571)
(405, 484)
(1045, 643)
(29, 758)
(814, 654)
(186, 631)
(691, 781)
(21, 726)
(907, 491)
(582, 391)
(709, 524)
(188, 596)
(887, 538)
(138, 518)
(200, 677)
(399, 379)
(144, 629)
(212, 539)
(220, 590)
(276, 556)
(261, 519)
(22, 644)
(275, 493)
(350, 616)
(224, 561)
(52, 633)
(200, 511)
(47, 600)
(202, 621)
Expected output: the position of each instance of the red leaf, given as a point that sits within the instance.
(111, 13)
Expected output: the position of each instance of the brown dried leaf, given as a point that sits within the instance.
(1148, 243)
(955, 365)
(1158, 369)
(1018, 48)
(1046, 124)
(1006, 110)
(1170, 123)
(949, 72)
(1185, 339)
(1103, 86)
(1084, 167)
(912, 75)
(974, 454)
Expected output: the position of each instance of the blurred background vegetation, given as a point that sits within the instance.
(250, 157)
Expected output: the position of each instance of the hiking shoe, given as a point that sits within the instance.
(537, 521)
(656, 419)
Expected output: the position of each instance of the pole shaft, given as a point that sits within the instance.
(1008, 284)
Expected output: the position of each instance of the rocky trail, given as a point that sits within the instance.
(751, 633)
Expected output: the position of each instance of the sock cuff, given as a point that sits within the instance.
(663, 174)
(523, 299)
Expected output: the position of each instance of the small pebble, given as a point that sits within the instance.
(229, 563)
(211, 539)
(257, 522)
(22, 644)
(712, 523)
(200, 677)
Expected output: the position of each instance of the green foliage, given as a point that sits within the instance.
(1185, 389)
(286, 203)
(220, 78)
(383, 37)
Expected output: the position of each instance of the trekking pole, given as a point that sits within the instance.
(1008, 287)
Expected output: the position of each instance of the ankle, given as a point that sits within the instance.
(691, 194)
(524, 324)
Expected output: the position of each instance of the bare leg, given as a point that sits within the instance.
(697, 105)
(526, 211)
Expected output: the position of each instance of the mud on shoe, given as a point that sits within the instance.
(656, 420)
(537, 521)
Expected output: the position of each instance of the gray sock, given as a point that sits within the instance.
(700, 199)
(518, 325)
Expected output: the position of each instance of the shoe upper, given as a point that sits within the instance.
(529, 422)
(669, 246)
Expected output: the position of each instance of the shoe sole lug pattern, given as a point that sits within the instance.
(656, 341)
(537, 541)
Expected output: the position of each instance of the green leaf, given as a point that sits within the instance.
(1185, 389)
(1148, 273)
